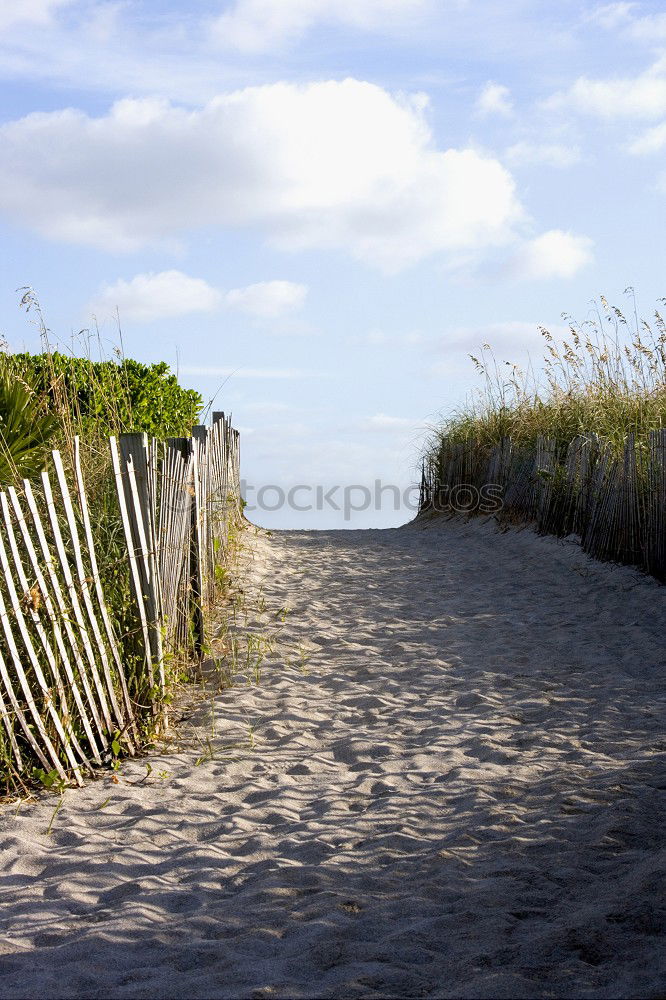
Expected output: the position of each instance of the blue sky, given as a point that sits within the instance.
(325, 205)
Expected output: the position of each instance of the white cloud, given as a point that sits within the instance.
(36, 12)
(509, 335)
(333, 164)
(651, 28)
(268, 299)
(494, 99)
(642, 96)
(612, 15)
(385, 423)
(651, 141)
(148, 297)
(542, 154)
(115, 47)
(513, 341)
(648, 28)
(264, 25)
(104, 23)
(554, 254)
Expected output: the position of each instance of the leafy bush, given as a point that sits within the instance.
(47, 401)
(99, 398)
(92, 400)
(27, 430)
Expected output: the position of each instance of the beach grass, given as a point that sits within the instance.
(606, 376)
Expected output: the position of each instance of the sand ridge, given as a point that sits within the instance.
(450, 782)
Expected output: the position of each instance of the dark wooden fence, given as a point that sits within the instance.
(614, 503)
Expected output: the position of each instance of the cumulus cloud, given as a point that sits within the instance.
(148, 297)
(648, 28)
(542, 154)
(333, 164)
(263, 25)
(651, 28)
(494, 99)
(642, 96)
(612, 15)
(650, 142)
(268, 299)
(14, 12)
(554, 254)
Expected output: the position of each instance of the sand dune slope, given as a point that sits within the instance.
(449, 782)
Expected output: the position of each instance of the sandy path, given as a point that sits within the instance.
(456, 789)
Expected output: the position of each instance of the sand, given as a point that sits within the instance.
(449, 782)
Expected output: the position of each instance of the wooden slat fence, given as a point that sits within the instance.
(616, 505)
(67, 701)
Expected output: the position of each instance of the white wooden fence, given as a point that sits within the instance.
(64, 694)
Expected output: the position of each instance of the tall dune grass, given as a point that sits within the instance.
(606, 376)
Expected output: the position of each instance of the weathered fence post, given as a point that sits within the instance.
(615, 504)
(134, 464)
(66, 694)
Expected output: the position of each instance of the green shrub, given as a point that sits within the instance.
(99, 398)
(27, 430)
